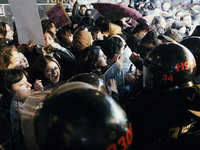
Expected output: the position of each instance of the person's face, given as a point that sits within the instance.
(69, 35)
(52, 72)
(188, 21)
(171, 20)
(9, 34)
(53, 29)
(22, 88)
(23, 62)
(166, 6)
(101, 61)
(99, 36)
(142, 33)
(69, 14)
(82, 10)
(15, 60)
(48, 39)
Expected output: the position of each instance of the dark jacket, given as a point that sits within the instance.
(133, 43)
(157, 115)
(66, 62)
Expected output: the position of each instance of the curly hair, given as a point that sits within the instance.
(3, 30)
(5, 56)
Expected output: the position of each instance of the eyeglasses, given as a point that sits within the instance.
(51, 69)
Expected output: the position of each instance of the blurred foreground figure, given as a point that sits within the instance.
(76, 117)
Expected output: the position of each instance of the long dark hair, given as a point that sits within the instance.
(61, 35)
(5, 55)
(86, 62)
(112, 46)
(37, 70)
(8, 78)
(47, 24)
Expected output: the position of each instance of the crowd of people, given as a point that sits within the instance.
(117, 84)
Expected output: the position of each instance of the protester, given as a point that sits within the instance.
(92, 60)
(46, 70)
(6, 35)
(147, 43)
(82, 39)
(88, 20)
(15, 89)
(187, 19)
(78, 15)
(180, 26)
(9, 58)
(48, 25)
(134, 39)
(65, 58)
(158, 24)
(98, 37)
(165, 7)
(65, 37)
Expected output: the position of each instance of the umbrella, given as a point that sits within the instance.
(113, 11)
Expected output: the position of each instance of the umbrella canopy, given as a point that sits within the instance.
(113, 11)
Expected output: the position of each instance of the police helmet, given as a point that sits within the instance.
(169, 66)
(193, 44)
(93, 80)
(81, 118)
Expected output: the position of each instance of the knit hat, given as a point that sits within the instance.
(82, 39)
(171, 35)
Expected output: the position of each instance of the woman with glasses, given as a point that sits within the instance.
(65, 58)
(46, 70)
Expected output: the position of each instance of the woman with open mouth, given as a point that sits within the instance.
(46, 71)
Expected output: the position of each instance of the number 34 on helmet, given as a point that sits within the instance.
(169, 66)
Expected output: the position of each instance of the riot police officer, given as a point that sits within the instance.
(164, 112)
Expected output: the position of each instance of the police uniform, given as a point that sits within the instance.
(165, 112)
